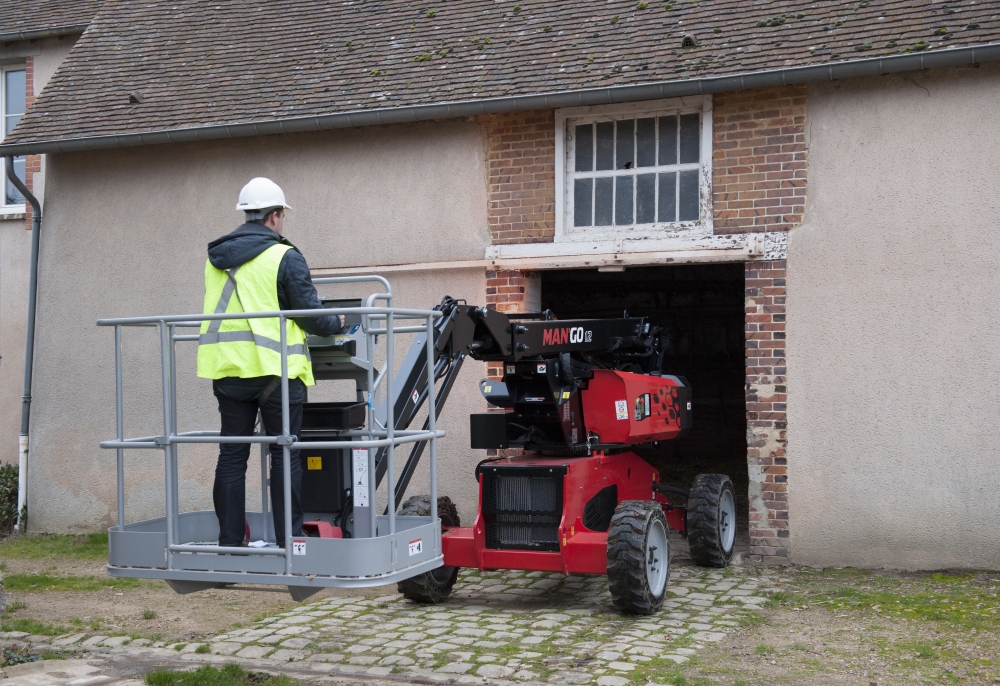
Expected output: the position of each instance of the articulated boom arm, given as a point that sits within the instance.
(569, 386)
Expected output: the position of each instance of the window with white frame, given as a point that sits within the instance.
(13, 103)
(635, 168)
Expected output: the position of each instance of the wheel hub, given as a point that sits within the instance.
(727, 521)
(657, 557)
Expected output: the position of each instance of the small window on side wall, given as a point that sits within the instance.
(641, 171)
(13, 103)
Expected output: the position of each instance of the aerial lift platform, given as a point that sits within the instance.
(563, 489)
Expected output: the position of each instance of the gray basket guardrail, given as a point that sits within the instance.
(394, 547)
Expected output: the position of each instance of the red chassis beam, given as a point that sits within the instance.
(582, 551)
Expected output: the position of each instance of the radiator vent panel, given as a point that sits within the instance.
(522, 507)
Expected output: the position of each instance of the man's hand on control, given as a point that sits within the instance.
(340, 319)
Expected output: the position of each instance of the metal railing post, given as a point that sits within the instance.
(370, 338)
(120, 426)
(173, 425)
(431, 423)
(264, 483)
(390, 426)
(285, 450)
(168, 472)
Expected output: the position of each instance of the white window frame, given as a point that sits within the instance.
(567, 119)
(5, 209)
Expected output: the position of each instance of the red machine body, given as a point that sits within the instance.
(580, 550)
(626, 408)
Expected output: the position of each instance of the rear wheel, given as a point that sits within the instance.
(711, 520)
(638, 557)
(435, 585)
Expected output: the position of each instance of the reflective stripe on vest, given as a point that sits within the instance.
(249, 347)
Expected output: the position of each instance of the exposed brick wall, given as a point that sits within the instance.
(521, 151)
(759, 159)
(767, 423)
(32, 163)
(511, 290)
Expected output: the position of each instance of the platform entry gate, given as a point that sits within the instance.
(351, 544)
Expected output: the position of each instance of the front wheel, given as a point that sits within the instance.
(638, 557)
(435, 585)
(711, 520)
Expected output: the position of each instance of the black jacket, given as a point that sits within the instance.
(295, 286)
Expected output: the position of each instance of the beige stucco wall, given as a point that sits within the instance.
(125, 234)
(893, 323)
(15, 251)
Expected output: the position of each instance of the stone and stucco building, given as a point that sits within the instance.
(803, 195)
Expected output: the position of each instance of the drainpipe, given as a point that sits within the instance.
(29, 347)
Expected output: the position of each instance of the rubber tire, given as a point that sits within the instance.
(627, 579)
(433, 586)
(704, 520)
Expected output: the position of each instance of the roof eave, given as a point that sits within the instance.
(67, 30)
(592, 96)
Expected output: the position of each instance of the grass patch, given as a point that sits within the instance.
(39, 583)
(229, 675)
(149, 614)
(959, 600)
(33, 626)
(86, 547)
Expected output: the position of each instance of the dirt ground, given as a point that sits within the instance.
(822, 627)
(120, 610)
(850, 627)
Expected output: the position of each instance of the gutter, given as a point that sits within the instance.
(35, 34)
(29, 351)
(470, 108)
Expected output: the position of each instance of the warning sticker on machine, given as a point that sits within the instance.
(621, 409)
(359, 458)
(298, 546)
(416, 547)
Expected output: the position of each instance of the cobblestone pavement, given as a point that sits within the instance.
(505, 625)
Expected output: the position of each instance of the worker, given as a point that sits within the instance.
(256, 269)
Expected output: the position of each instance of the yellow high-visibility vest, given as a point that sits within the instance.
(249, 348)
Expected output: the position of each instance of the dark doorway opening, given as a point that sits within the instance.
(701, 309)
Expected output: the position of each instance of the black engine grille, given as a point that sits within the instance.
(522, 507)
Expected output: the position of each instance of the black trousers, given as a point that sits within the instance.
(239, 401)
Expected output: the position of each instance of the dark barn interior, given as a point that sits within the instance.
(701, 309)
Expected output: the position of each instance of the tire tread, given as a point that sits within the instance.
(424, 588)
(703, 520)
(627, 579)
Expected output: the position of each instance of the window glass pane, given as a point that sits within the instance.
(14, 103)
(689, 196)
(12, 196)
(585, 148)
(690, 139)
(645, 198)
(582, 190)
(667, 210)
(668, 140)
(605, 145)
(623, 201)
(11, 123)
(603, 198)
(626, 145)
(645, 140)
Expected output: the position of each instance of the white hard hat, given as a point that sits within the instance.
(261, 194)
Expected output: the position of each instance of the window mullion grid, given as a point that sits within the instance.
(656, 170)
(3, 134)
(593, 168)
(635, 169)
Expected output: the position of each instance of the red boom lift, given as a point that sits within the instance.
(577, 398)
